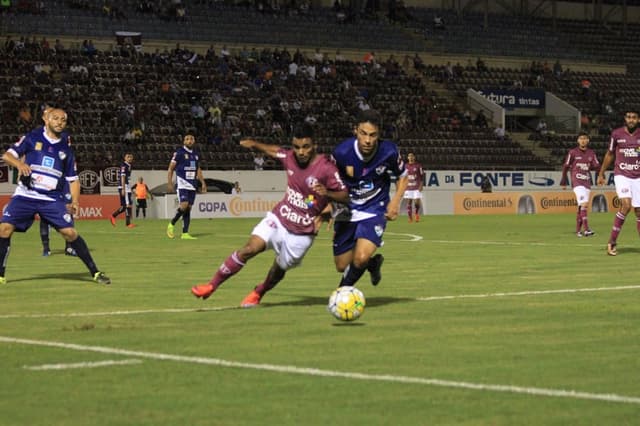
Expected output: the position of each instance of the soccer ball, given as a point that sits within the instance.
(346, 303)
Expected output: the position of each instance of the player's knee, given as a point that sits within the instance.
(361, 260)
(6, 229)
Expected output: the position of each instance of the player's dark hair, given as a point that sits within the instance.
(370, 116)
(632, 109)
(303, 130)
(583, 133)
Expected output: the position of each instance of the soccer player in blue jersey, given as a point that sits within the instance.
(186, 164)
(44, 161)
(124, 189)
(366, 164)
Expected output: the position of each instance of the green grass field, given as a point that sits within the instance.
(499, 320)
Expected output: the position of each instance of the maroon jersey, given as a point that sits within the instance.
(301, 204)
(579, 163)
(415, 175)
(626, 148)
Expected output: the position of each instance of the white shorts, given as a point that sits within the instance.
(582, 194)
(628, 188)
(412, 194)
(290, 248)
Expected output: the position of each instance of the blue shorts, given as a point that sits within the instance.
(126, 200)
(347, 233)
(187, 195)
(20, 213)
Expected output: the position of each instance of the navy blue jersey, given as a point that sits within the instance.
(187, 162)
(52, 163)
(124, 171)
(368, 183)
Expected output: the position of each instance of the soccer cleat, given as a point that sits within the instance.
(202, 290)
(611, 250)
(417, 217)
(187, 236)
(113, 221)
(410, 219)
(579, 234)
(131, 225)
(46, 253)
(3, 280)
(589, 233)
(70, 252)
(251, 300)
(101, 278)
(375, 263)
(170, 233)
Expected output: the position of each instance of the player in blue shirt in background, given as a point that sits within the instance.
(44, 161)
(124, 189)
(366, 164)
(186, 163)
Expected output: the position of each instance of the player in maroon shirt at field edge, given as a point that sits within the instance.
(624, 153)
(413, 193)
(579, 162)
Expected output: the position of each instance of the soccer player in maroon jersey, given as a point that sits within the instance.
(579, 162)
(624, 153)
(290, 228)
(413, 193)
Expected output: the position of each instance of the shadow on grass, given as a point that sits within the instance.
(71, 276)
(372, 302)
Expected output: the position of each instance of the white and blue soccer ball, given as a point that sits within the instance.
(346, 303)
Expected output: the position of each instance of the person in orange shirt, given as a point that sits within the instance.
(142, 194)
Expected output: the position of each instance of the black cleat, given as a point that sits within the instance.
(375, 263)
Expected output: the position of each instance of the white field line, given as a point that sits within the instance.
(228, 308)
(114, 313)
(292, 369)
(95, 364)
(528, 293)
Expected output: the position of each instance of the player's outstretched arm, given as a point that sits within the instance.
(268, 149)
(606, 162)
(393, 208)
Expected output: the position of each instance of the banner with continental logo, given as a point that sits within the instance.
(534, 202)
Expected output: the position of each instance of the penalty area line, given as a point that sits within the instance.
(528, 293)
(292, 369)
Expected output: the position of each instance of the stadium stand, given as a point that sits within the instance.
(121, 99)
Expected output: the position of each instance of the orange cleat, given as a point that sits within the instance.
(131, 225)
(113, 221)
(417, 217)
(202, 290)
(251, 300)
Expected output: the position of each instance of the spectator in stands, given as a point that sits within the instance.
(258, 162)
(485, 185)
(585, 85)
(557, 69)
(480, 66)
(541, 128)
(480, 120)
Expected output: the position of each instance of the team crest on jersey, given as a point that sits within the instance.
(62, 155)
(67, 217)
(381, 169)
(290, 172)
(349, 171)
(378, 230)
(186, 156)
(311, 181)
(38, 146)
